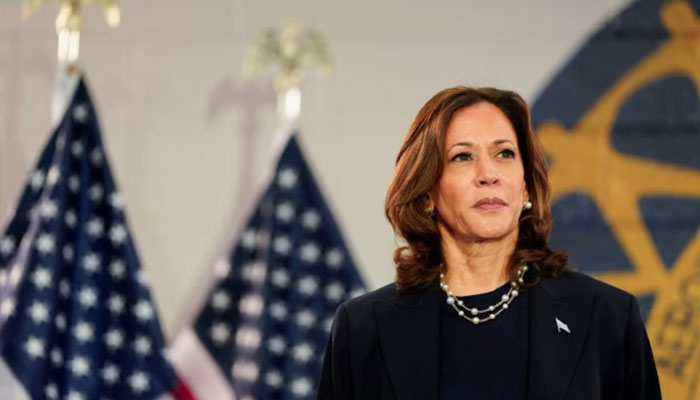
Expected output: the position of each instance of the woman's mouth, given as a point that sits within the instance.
(489, 203)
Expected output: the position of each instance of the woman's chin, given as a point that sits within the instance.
(490, 233)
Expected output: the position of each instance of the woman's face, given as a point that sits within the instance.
(481, 191)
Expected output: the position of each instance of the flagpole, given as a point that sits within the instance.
(293, 52)
(68, 25)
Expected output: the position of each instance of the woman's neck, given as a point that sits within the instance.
(477, 266)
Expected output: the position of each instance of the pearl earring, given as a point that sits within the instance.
(527, 205)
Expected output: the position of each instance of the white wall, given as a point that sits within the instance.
(177, 118)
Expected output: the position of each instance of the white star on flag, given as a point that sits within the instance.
(305, 318)
(80, 113)
(34, 347)
(310, 253)
(83, 331)
(41, 278)
(220, 332)
(48, 209)
(335, 291)
(87, 297)
(76, 148)
(139, 382)
(74, 183)
(280, 278)
(71, 219)
(142, 345)
(74, 395)
(143, 310)
(245, 370)
(334, 258)
(115, 200)
(222, 268)
(301, 387)
(115, 303)
(285, 212)
(307, 285)
(251, 305)
(36, 180)
(45, 243)
(303, 352)
(56, 357)
(274, 379)
(277, 345)
(287, 178)
(64, 288)
(114, 338)
(117, 234)
(96, 156)
(311, 219)
(7, 307)
(278, 311)
(39, 312)
(248, 239)
(282, 245)
(91, 262)
(7, 245)
(254, 272)
(96, 192)
(110, 373)
(60, 321)
(51, 391)
(80, 366)
(220, 300)
(248, 337)
(95, 227)
(117, 269)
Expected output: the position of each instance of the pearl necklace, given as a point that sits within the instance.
(493, 310)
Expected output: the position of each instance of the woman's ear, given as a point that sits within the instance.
(429, 204)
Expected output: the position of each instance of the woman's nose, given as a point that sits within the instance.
(487, 173)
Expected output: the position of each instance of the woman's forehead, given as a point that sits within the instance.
(479, 124)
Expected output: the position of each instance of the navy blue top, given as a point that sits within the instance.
(488, 360)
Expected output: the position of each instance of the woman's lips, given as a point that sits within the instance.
(489, 204)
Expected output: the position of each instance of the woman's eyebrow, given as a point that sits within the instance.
(501, 141)
(470, 144)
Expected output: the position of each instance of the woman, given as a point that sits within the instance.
(481, 307)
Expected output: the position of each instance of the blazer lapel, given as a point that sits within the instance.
(410, 342)
(554, 352)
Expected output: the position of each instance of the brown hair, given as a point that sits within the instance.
(419, 165)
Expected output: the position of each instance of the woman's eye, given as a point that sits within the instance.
(507, 153)
(462, 157)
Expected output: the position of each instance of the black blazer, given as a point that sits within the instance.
(385, 345)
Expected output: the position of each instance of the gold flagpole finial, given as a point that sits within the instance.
(294, 51)
(69, 21)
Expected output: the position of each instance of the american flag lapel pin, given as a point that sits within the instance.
(562, 326)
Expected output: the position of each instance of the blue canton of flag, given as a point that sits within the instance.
(267, 319)
(76, 317)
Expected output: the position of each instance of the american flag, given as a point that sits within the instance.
(76, 317)
(265, 322)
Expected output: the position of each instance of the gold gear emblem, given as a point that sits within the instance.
(615, 181)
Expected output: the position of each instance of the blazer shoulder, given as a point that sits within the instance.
(610, 298)
(365, 301)
(583, 282)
